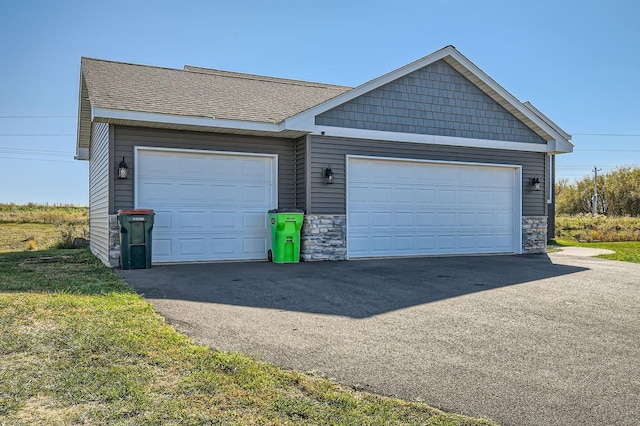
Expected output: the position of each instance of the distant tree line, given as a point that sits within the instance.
(618, 194)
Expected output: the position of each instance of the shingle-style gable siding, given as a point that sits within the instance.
(434, 100)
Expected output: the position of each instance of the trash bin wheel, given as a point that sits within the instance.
(270, 255)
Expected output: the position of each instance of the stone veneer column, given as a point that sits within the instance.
(534, 234)
(323, 237)
(114, 241)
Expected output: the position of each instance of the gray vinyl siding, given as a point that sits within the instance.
(301, 170)
(99, 178)
(126, 138)
(434, 100)
(330, 199)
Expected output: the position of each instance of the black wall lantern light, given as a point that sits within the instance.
(328, 175)
(123, 170)
(535, 183)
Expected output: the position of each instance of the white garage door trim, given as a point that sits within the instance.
(204, 241)
(410, 242)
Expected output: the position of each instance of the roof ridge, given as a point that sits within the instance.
(247, 76)
(129, 63)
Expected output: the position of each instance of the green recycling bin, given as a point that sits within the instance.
(135, 238)
(285, 235)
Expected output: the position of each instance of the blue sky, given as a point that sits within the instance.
(577, 61)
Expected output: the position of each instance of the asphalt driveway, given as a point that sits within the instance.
(524, 340)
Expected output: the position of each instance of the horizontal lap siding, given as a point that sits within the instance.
(330, 199)
(126, 138)
(301, 158)
(99, 191)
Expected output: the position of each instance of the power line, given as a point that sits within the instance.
(607, 134)
(608, 150)
(35, 134)
(37, 116)
(36, 152)
(38, 159)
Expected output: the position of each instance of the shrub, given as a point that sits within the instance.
(72, 235)
(584, 227)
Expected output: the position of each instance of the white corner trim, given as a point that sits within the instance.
(550, 180)
(115, 114)
(344, 132)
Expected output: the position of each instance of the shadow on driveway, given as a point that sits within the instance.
(356, 289)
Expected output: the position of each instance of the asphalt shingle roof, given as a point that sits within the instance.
(200, 92)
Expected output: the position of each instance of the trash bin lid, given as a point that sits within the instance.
(136, 211)
(286, 211)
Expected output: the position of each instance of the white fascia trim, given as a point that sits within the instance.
(115, 114)
(539, 113)
(344, 132)
(559, 146)
(501, 91)
(82, 154)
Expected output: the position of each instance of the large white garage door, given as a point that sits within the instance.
(209, 206)
(404, 208)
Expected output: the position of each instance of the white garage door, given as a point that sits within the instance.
(404, 208)
(209, 206)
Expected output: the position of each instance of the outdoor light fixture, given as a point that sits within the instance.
(535, 182)
(123, 170)
(328, 174)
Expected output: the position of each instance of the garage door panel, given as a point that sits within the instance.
(162, 219)
(426, 243)
(446, 219)
(405, 244)
(404, 219)
(157, 192)
(466, 219)
(191, 246)
(222, 193)
(429, 208)
(425, 219)
(212, 207)
(256, 220)
(161, 247)
(256, 246)
(380, 194)
(254, 194)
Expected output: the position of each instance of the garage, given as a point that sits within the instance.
(208, 205)
(399, 207)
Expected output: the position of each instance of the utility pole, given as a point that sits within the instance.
(594, 210)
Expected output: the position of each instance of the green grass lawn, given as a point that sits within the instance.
(627, 251)
(78, 346)
(28, 236)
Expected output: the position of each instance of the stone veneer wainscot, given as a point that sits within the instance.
(534, 234)
(324, 237)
